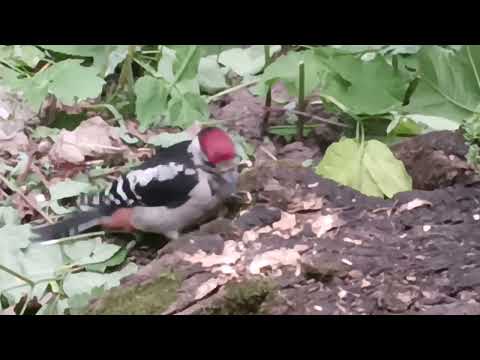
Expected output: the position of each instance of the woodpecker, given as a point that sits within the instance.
(171, 191)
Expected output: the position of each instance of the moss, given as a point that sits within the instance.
(144, 299)
(245, 298)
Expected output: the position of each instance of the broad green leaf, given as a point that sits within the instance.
(8, 216)
(56, 306)
(67, 80)
(165, 64)
(118, 258)
(79, 249)
(286, 69)
(372, 87)
(151, 101)
(209, 50)
(117, 54)
(248, 61)
(101, 54)
(68, 188)
(184, 111)
(185, 68)
(211, 76)
(28, 54)
(84, 282)
(449, 86)
(371, 169)
(388, 172)
(435, 122)
(343, 163)
(34, 262)
(168, 139)
(101, 253)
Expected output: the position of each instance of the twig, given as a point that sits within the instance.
(17, 275)
(315, 117)
(26, 199)
(273, 157)
(73, 238)
(233, 89)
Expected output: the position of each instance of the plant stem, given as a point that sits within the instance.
(268, 99)
(17, 275)
(185, 63)
(73, 238)
(26, 199)
(312, 116)
(233, 89)
(301, 99)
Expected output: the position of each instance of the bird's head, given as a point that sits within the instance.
(218, 153)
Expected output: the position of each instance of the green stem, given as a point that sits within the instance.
(301, 99)
(233, 89)
(185, 63)
(17, 275)
(268, 99)
(73, 238)
(472, 63)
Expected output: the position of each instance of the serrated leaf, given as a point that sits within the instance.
(184, 111)
(151, 101)
(372, 169)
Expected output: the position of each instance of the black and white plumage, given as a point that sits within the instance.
(169, 192)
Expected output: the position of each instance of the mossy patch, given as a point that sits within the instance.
(244, 298)
(151, 298)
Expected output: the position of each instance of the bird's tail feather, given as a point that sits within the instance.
(72, 226)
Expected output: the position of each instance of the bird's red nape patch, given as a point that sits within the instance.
(217, 145)
(120, 221)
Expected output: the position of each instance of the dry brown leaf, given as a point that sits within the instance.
(14, 143)
(413, 204)
(274, 259)
(92, 138)
(230, 255)
(286, 222)
(249, 235)
(207, 287)
(324, 223)
(312, 202)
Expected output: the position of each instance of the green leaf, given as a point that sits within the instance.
(9, 216)
(85, 282)
(184, 111)
(105, 57)
(211, 76)
(42, 132)
(248, 61)
(372, 169)
(185, 68)
(449, 86)
(151, 101)
(388, 172)
(68, 188)
(435, 122)
(28, 54)
(372, 87)
(168, 139)
(67, 80)
(285, 69)
(117, 259)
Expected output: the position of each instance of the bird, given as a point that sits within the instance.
(171, 191)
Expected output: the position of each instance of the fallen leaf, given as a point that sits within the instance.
(286, 222)
(274, 259)
(93, 138)
(14, 143)
(230, 255)
(405, 297)
(413, 204)
(249, 235)
(356, 242)
(312, 202)
(206, 288)
(365, 283)
(324, 223)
